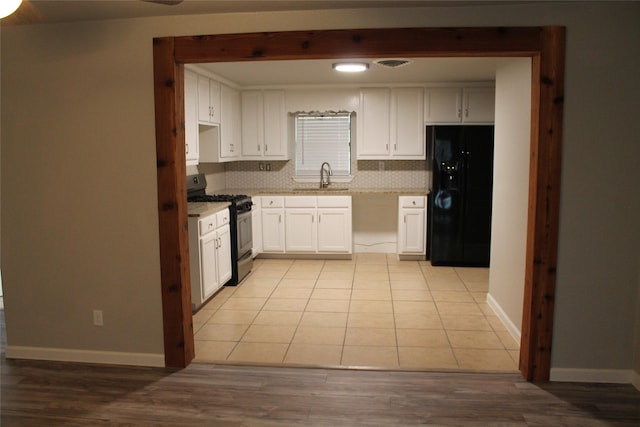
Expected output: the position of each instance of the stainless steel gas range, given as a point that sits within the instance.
(239, 222)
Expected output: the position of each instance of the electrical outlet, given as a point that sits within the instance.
(268, 166)
(97, 318)
(261, 166)
(381, 166)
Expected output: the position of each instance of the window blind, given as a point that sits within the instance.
(323, 137)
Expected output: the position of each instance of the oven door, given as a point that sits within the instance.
(245, 233)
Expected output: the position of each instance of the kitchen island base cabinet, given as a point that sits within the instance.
(412, 227)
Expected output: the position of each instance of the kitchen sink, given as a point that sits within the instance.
(320, 190)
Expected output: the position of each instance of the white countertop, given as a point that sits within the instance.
(199, 209)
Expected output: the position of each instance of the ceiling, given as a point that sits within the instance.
(308, 72)
(50, 11)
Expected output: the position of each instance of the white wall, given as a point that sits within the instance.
(510, 191)
(79, 214)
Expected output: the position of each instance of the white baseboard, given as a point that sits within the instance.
(635, 380)
(85, 356)
(513, 330)
(617, 376)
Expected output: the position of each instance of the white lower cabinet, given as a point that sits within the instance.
(306, 224)
(412, 226)
(210, 255)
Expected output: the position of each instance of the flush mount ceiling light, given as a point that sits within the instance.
(350, 67)
(7, 7)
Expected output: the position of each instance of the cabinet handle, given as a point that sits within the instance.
(386, 147)
(395, 147)
(280, 218)
(459, 113)
(266, 148)
(466, 112)
(405, 218)
(414, 202)
(258, 148)
(311, 219)
(319, 218)
(187, 150)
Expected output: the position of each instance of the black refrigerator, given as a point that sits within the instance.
(459, 228)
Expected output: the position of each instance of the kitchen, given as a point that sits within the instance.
(374, 183)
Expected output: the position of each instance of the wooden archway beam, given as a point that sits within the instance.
(545, 45)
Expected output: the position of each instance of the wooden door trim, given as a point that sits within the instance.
(545, 45)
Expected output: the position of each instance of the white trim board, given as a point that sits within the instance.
(85, 356)
(615, 376)
(506, 321)
(635, 380)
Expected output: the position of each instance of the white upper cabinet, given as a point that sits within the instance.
(264, 125)
(391, 124)
(459, 105)
(230, 125)
(191, 117)
(208, 100)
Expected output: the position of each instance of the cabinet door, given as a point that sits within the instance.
(412, 231)
(252, 126)
(443, 105)
(275, 124)
(301, 230)
(407, 124)
(479, 105)
(273, 230)
(191, 117)
(208, 100)
(373, 137)
(208, 269)
(229, 122)
(223, 255)
(334, 230)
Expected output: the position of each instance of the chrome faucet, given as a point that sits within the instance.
(324, 183)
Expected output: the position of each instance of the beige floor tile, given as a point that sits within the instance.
(371, 294)
(339, 265)
(319, 319)
(241, 303)
(370, 276)
(486, 308)
(314, 354)
(285, 304)
(302, 274)
(466, 323)
(417, 321)
(477, 286)
(221, 332)
(328, 305)
(296, 284)
(297, 293)
(370, 284)
(370, 320)
(276, 264)
(334, 284)
(459, 309)
(474, 339)
(319, 335)
(452, 296)
(258, 352)
(371, 336)
(496, 323)
(337, 294)
(515, 356)
(426, 307)
(409, 285)
(307, 264)
(372, 268)
(473, 274)
(370, 356)
(446, 285)
(268, 333)
(336, 275)
(508, 341)
(213, 351)
(233, 317)
(253, 291)
(263, 282)
(368, 306)
(267, 275)
(411, 295)
(422, 338)
(402, 275)
(479, 297)
(427, 358)
(202, 316)
(371, 258)
(278, 318)
(477, 359)
(406, 267)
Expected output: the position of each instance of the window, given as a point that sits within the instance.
(323, 137)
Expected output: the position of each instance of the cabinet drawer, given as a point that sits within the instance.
(412, 201)
(300, 201)
(272, 201)
(222, 218)
(207, 224)
(334, 201)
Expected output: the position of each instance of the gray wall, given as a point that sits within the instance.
(80, 228)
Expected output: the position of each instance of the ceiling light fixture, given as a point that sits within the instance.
(350, 67)
(7, 7)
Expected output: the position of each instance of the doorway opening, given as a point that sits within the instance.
(544, 45)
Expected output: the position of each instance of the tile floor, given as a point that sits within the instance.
(373, 311)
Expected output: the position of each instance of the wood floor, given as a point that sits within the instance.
(62, 394)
